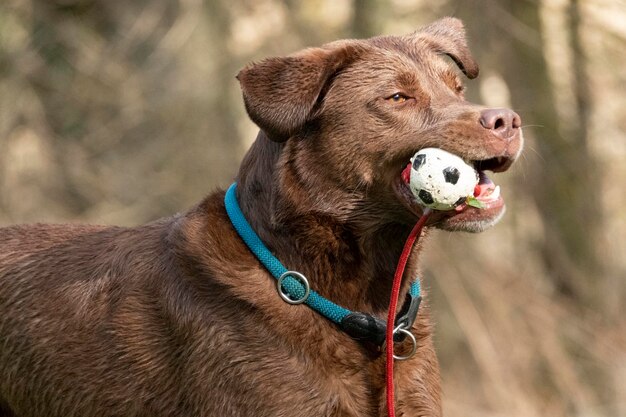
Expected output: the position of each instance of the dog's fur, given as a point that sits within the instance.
(178, 318)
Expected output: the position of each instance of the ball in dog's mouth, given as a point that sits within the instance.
(440, 180)
(472, 211)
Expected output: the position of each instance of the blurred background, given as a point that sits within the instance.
(120, 112)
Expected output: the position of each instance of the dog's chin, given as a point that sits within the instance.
(472, 220)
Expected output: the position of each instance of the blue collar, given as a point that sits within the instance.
(294, 288)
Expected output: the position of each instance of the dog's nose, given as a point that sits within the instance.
(504, 123)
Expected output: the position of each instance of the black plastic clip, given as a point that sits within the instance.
(367, 328)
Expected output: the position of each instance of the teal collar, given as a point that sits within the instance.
(293, 287)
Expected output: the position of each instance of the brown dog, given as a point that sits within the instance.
(178, 317)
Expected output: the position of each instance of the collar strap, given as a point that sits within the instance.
(295, 288)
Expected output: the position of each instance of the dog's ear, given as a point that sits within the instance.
(281, 94)
(447, 36)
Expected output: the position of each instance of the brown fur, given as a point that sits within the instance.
(178, 318)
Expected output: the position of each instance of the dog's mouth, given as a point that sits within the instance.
(464, 217)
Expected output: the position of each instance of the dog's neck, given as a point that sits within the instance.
(343, 262)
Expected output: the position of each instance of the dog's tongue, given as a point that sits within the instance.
(486, 190)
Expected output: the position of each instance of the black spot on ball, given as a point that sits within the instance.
(451, 174)
(460, 201)
(425, 197)
(418, 161)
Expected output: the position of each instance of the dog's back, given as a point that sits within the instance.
(64, 293)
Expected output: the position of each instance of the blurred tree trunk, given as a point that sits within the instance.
(365, 18)
(223, 109)
(63, 117)
(563, 182)
(589, 196)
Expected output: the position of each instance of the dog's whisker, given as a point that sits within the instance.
(536, 152)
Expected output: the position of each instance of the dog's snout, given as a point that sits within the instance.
(504, 123)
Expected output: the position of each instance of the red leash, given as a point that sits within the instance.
(393, 303)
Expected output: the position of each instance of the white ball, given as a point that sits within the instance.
(441, 180)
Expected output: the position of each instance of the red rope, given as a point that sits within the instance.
(393, 303)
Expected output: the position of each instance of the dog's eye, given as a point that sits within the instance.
(398, 98)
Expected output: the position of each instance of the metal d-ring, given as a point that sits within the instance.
(401, 329)
(302, 279)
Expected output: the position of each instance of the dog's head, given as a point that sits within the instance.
(351, 113)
